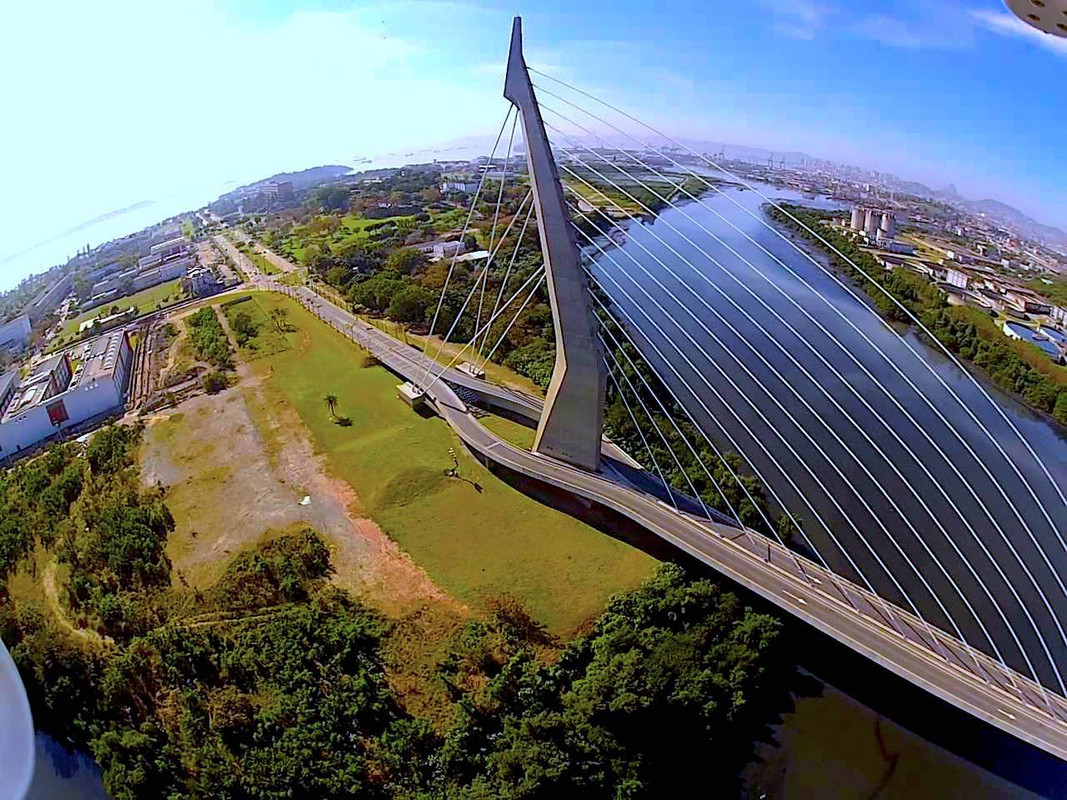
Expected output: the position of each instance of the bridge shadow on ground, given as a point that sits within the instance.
(830, 661)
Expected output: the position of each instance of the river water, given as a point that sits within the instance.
(60, 773)
(932, 501)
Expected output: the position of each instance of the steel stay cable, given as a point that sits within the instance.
(482, 276)
(514, 319)
(466, 227)
(489, 322)
(818, 481)
(496, 213)
(759, 443)
(711, 415)
(833, 433)
(511, 264)
(608, 351)
(629, 337)
(845, 287)
(644, 441)
(922, 466)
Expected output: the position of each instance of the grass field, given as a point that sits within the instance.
(609, 198)
(476, 536)
(261, 262)
(268, 339)
(356, 224)
(510, 431)
(165, 293)
(355, 229)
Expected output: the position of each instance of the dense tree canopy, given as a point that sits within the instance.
(271, 683)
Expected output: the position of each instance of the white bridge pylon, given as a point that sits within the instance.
(573, 419)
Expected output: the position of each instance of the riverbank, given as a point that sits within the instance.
(1021, 371)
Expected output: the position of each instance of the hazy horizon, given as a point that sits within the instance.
(133, 105)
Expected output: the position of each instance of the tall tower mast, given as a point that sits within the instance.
(572, 422)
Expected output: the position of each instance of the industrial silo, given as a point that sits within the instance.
(857, 219)
(870, 222)
(889, 226)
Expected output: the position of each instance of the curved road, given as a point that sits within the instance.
(891, 637)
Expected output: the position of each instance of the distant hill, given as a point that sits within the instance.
(995, 210)
(1008, 215)
(303, 179)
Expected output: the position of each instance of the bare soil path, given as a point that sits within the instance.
(237, 466)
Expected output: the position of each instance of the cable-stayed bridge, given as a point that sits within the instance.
(859, 478)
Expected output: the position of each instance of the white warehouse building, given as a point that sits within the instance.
(15, 334)
(53, 399)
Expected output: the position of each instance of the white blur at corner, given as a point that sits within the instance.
(16, 732)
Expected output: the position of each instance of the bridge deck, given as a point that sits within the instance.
(888, 635)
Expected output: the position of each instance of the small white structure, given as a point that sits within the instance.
(411, 394)
(467, 187)
(958, 278)
(477, 255)
(472, 369)
(443, 249)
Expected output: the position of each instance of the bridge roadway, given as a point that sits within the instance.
(890, 636)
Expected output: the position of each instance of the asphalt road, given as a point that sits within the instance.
(888, 635)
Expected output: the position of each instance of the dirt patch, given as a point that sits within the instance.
(59, 614)
(237, 466)
(366, 559)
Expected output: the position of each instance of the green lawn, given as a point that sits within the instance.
(165, 293)
(510, 431)
(268, 339)
(356, 224)
(263, 264)
(475, 542)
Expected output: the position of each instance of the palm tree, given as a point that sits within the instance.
(330, 399)
(279, 315)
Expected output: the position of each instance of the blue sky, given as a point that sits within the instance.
(117, 103)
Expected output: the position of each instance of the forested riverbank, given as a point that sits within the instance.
(1016, 367)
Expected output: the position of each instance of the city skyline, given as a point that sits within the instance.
(228, 95)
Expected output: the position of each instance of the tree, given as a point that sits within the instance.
(279, 315)
(406, 260)
(409, 305)
(330, 399)
(243, 327)
(1060, 409)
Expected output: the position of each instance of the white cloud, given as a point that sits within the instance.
(1005, 24)
(797, 19)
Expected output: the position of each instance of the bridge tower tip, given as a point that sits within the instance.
(572, 421)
